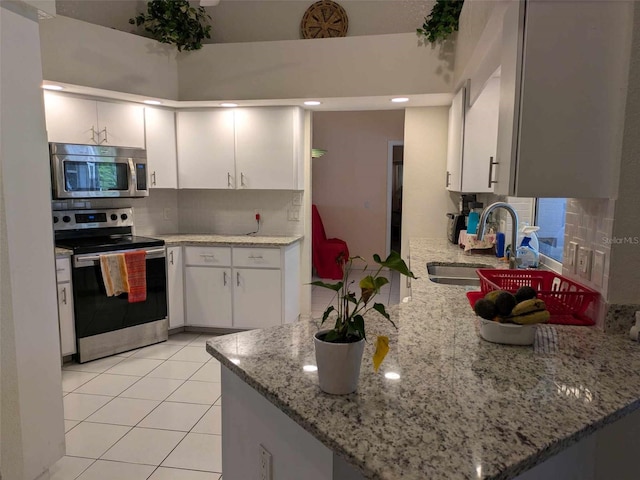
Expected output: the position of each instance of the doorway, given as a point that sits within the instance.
(394, 196)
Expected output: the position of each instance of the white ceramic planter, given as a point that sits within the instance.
(338, 365)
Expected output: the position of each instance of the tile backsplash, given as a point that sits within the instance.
(233, 212)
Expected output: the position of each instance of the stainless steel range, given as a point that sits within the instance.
(109, 325)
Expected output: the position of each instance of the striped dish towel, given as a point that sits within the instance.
(137, 275)
(114, 274)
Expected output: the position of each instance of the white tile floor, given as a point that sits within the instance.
(155, 413)
(149, 414)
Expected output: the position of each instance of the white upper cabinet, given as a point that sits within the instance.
(455, 142)
(162, 164)
(71, 119)
(563, 84)
(206, 151)
(121, 124)
(76, 120)
(480, 140)
(246, 148)
(268, 147)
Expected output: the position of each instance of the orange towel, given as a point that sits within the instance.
(114, 274)
(136, 262)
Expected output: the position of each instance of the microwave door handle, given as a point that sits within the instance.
(132, 177)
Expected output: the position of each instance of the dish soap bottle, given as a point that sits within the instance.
(527, 254)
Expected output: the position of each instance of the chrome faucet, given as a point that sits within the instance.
(482, 225)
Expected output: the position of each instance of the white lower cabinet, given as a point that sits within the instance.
(241, 287)
(66, 317)
(208, 294)
(175, 287)
(257, 298)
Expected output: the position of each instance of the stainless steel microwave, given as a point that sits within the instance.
(97, 171)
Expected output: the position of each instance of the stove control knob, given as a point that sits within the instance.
(56, 219)
(114, 217)
(124, 216)
(66, 219)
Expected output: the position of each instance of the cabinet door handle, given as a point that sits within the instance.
(254, 257)
(64, 295)
(491, 164)
(238, 278)
(171, 257)
(224, 278)
(448, 177)
(106, 135)
(153, 178)
(228, 180)
(60, 269)
(242, 180)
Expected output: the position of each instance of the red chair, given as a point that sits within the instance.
(326, 252)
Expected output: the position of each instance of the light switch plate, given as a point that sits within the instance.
(296, 199)
(572, 257)
(597, 271)
(584, 262)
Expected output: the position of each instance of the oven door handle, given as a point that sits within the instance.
(90, 259)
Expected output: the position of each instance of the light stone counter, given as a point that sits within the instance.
(214, 240)
(63, 252)
(462, 408)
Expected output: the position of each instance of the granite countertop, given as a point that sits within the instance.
(238, 240)
(63, 252)
(462, 407)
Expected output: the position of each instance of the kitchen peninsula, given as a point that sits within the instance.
(444, 405)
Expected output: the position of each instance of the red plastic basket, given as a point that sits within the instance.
(566, 300)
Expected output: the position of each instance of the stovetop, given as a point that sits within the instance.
(108, 244)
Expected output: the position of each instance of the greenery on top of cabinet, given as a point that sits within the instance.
(442, 21)
(175, 22)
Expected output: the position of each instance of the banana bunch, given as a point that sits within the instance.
(523, 308)
(529, 312)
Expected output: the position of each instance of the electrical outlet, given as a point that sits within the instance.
(584, 262)
(597, 271)
(265, 464)
(296, 199)
(166, 213)
(293, 214)
(572, 257)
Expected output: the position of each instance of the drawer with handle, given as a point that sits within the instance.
(256, 257)
(208, 256)
(63, 270)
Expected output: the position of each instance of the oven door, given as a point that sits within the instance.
(95, 313)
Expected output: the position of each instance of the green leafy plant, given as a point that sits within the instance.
(175, 22)
(349, 322)
(442, 21)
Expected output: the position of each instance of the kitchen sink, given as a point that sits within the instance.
(455, 274)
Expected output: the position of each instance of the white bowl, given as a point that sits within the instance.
(507, 333)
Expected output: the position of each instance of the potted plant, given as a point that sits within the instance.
(339, 349)
(442, 21)
(175, 22)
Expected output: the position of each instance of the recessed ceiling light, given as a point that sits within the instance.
(152, 102)
(227, 104)
(52, 87)
(312, 102)
(399, 99)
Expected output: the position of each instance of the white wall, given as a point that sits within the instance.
(260, 20)
(32, 427)
(333, 67)
(350, 181)
(425, 199)
(84, 54)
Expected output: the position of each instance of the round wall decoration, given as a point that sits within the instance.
(324, 19)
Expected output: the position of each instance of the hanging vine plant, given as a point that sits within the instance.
(175, 22)
(442, 21)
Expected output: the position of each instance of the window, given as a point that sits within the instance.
(550, 215)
